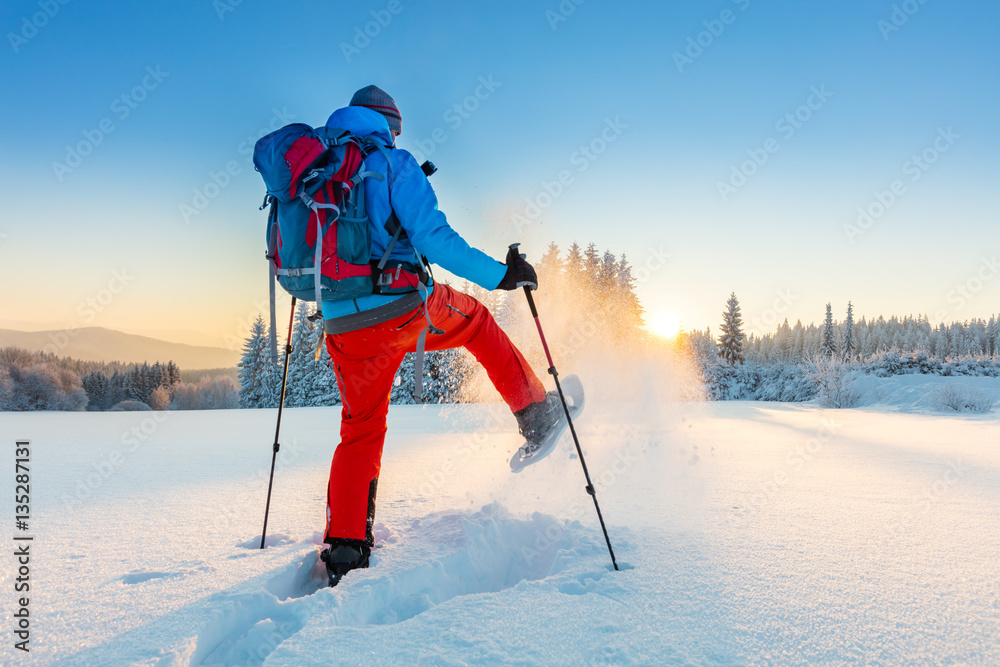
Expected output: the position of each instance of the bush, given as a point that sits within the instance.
(886, 364)
(131, 406)
(950, 397)
(731, 382)
(784, 382)
(834, 383)
(753, 382)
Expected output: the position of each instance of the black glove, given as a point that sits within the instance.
(519, 272)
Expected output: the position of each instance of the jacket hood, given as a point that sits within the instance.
(362, 122)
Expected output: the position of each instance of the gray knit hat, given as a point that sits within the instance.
(377, 99)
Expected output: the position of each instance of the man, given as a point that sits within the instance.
(367, 337)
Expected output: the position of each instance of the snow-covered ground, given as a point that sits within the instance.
(747, 533)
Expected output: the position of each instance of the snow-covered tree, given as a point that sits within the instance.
(993, 337)
(574, 266)
(550, 269)
(632, 312)
(256, 372)
(731, 336)
(42, 387)
(302, 384)
(160, 398)
(850, 347)
(829, 345)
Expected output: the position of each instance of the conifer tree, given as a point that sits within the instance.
(549, 269)
(298, 392)
(256, 372)
(850, 347)
(993, 337)
(574, 266)
(829, 345)
(731, 336)
(591, 262)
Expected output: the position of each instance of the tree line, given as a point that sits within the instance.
(847, 339)
(43, 381)
(794, 363)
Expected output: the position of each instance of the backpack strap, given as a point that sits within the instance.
(418, 359)
(272, 244)
(317, 269)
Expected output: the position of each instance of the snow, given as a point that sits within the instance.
(919, 393)
(747, 533)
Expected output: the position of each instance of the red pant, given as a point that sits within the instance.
(366, 362)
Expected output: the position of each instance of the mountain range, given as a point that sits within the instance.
(100, 344)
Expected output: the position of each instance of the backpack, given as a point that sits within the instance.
(315, 182)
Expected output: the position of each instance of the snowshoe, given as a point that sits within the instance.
(544, 422)
(343, 558)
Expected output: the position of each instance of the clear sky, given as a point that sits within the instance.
(738, 137)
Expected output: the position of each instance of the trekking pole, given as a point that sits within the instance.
(555, 374)
(277, 429)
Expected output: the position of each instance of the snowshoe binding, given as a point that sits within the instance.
(342, 558)
(544, 422)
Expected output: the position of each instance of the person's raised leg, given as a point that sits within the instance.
(467, 323)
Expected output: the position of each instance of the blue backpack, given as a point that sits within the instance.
(318, 234)
(319, 240)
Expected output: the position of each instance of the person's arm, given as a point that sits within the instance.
(416, 206)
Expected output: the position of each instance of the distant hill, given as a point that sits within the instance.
(100, 344)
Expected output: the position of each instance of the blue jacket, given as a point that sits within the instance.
(416, 207)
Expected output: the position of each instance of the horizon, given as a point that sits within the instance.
(795, 155)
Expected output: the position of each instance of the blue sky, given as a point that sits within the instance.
(202, 80)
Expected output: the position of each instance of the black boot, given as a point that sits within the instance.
(342, 558)
(536, 420)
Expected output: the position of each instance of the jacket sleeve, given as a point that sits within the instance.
(416, 206)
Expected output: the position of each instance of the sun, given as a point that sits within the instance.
(665, 323)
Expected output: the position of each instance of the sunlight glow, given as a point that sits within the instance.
(665, 324)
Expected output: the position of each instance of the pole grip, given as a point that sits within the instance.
(531, 301)
(513, 256)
